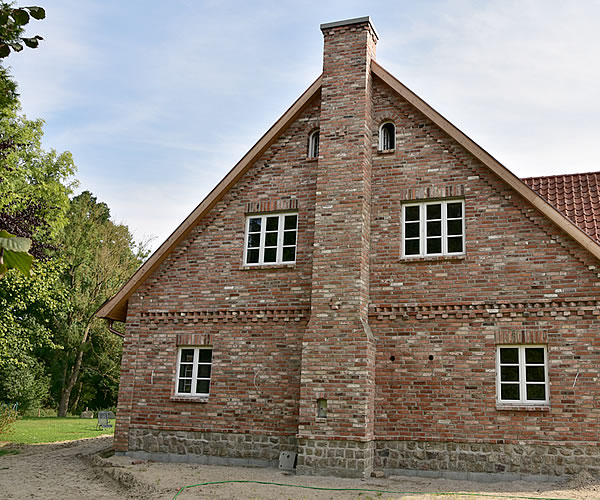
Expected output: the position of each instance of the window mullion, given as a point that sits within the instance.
(522, 374)
(423, 229)
(195, 370)
(280, 238)
(444, 221)
(263, 230)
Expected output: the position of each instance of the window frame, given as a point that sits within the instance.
(523, 383)
(381, 142)
(423, 237)
(194, 378)
(313, 144)
(262, 243)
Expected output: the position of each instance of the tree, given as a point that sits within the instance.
(12, 25)
(34, 198)
(98, 256)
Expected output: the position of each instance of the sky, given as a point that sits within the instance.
(158, 100)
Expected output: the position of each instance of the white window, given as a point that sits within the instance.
(433, 228)
(387, 136)
(271, 239)
(193, 371)
(313, 145)
(522, 374)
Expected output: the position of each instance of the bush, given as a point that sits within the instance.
(8, 416)
(27, 385)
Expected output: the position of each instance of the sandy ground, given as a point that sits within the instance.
(85, 469)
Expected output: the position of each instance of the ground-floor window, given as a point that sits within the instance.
(522, 374)
(193, 371)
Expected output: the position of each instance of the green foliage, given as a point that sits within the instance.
(14, 253)
(27, 384)
(28, 306)
(8, 93)
(8, 416)
(34, 430)
(12, 25)
(34, 184)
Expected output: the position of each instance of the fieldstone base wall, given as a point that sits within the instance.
(326, 457)
(217, 448)
(482, 458)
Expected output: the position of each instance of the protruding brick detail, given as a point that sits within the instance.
(337, 350)
(230, 316)
(271, 206)
(432, 192)
(525, 336)
(193, 339)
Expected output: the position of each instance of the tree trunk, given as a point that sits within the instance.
(65, 393)
(76, 401)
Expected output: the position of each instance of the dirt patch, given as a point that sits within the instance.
(87, 469)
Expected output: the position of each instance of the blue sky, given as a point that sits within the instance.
(157, 100)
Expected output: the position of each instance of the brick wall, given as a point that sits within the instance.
(441, 318)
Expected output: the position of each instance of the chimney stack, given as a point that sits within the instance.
(338, 349)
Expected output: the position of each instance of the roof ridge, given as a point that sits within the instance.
(560, 175)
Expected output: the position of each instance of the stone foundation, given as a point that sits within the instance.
(479, 461)
(217, 448)
(482, 458)
(335, 458)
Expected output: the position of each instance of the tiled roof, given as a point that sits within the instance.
(576, 196)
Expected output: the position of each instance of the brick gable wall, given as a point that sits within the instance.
(402, 349)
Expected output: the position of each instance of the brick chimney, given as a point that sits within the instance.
(338, 368)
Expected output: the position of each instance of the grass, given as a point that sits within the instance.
(34, 430)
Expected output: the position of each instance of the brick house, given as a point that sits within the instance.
(369, 288)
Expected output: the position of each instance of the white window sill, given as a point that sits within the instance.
(250, 267)
(433, 258)
(386, 151)
(522, 407)
(190, 399)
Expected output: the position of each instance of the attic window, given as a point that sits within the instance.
(387, 137)
(271, 239)
(433, 228)
(313, 144)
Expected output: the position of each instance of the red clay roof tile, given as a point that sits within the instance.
(576, 196)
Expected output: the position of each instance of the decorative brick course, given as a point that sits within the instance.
(271, 206)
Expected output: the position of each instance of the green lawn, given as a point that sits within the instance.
(33, 430)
